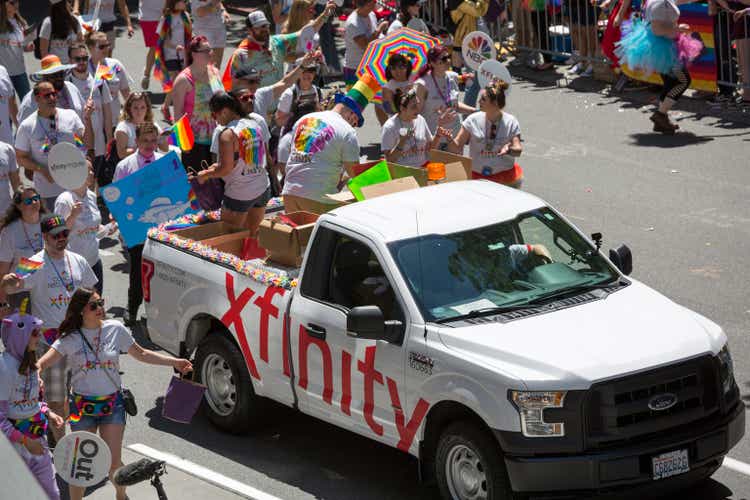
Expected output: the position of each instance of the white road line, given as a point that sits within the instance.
(736, 466)
(203, 473)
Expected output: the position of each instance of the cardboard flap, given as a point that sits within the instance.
(394, 186)
(345, 196)
(455, 172)
(401, 171)
(446, 157)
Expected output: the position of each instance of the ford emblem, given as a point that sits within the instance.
(662, 402)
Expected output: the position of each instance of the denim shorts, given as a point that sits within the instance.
(245, 205)
(87, 422)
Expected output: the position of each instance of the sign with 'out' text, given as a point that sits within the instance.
(82, 459)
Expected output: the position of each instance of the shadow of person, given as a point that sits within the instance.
(678, 140)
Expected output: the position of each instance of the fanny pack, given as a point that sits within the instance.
(128, 399)
(33, 427)
(92, 406)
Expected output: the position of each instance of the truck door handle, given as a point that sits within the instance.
(316, 331)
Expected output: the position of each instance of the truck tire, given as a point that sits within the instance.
(229, 402)
(469, 465)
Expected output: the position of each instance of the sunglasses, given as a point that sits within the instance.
(104, 46)
(96, 304)
(49, 95)
(81, 59)
(31, 200)
(61, 235)
(201, 51)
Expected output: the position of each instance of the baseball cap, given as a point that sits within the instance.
(52, 224)
(256, 19)
(247, 74)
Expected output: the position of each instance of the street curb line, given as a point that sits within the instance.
(202, 473)
(736, 466)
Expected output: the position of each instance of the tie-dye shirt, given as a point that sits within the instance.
(321, 143)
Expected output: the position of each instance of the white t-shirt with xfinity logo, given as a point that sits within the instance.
(37, 135)
(416, 148)
(482, 150)
(321, 143)
(91, 370)
(19, 239)
(8, 166)
(82, 240)
(20, 391)
(54, 283)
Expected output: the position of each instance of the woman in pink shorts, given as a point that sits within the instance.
(149, 13)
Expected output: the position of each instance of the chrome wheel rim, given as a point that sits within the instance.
(221, 392)
(465, 474)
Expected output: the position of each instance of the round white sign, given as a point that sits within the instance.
(477, 48)
(494, 70)
(82, 459)
(67, 166)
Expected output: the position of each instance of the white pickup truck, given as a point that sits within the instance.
(467, 324)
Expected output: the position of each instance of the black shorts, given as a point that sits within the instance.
(107, 27)
(173, 65)
(245, 205)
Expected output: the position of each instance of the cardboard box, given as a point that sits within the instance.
(394, 186)
(286, 244)
(206, 231)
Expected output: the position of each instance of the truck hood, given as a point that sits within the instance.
(631, 330)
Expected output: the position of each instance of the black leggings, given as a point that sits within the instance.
(135, 290)
(675, 84)
(541, 31)
(726, 66)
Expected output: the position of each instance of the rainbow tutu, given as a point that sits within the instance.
(642, 50)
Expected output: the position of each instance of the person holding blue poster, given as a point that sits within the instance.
(146, 138)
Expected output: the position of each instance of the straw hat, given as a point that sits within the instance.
(50, 65)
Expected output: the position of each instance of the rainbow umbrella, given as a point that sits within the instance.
(405, 40)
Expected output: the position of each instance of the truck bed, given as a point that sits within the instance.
(205, 236)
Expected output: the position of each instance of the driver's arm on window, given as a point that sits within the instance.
(520, 252)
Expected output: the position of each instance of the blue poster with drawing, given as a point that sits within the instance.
(157, 193)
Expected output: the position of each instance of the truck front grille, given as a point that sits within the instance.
(617, 411)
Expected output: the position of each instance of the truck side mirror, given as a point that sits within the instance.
(366, 322)
(622, 258)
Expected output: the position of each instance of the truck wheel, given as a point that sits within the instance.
(230, 402)
(469, 466)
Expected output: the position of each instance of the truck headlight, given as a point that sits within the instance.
(531, 406)
(726, 369)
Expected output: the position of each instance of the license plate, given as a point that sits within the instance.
(670, 464)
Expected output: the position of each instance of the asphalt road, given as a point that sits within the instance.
(680, 203)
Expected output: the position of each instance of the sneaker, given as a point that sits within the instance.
(145, 81)
(588, 72)
(576, 68)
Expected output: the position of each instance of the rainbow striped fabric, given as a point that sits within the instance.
(91, 406)
(27, 267)
(34, 426)
(182, 134)
(703, 69)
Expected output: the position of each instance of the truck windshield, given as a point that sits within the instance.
(508, 265)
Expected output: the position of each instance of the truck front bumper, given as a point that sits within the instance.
(628, 467)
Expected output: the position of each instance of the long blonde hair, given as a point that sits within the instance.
(5, 26)
(298, 16)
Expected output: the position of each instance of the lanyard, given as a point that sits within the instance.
(84, 342)
(49, 140)
(447, 96)
(28, 240)
(69, 287)
(489, 143)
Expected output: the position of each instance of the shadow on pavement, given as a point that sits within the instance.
(306, 453)
(657, 140)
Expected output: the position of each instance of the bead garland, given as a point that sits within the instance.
(251, 268)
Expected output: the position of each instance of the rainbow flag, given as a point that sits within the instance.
(103, 72)
(193, 200)
(182, 134)
(78, 141)
(703, 69)
(27, 267)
